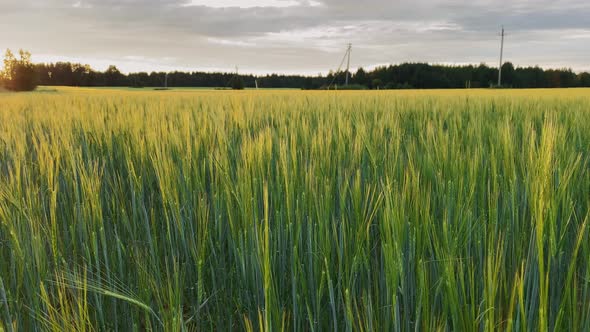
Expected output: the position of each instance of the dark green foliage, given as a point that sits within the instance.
(376, 83)
(352, 87)
(237, 83)
(19, 74)
(402, 76)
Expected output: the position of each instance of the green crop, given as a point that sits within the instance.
(304, 211)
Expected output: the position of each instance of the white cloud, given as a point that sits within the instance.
(81, 4)
(251, 3)
(229, 42)
(578, 34)
(334, 37)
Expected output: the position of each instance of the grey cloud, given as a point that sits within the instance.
(299, 38)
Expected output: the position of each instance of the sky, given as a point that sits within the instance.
(296, 36)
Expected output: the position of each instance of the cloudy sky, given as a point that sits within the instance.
(296, 36)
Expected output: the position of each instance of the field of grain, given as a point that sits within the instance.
(291, 210)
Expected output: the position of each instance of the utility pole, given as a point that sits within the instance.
(501, 56)
(344, 58)
(166, 81)
(349, 51)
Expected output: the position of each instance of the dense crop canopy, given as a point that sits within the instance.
(306, 211)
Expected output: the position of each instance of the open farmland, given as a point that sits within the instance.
(291, 210)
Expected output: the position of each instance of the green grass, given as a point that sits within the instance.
(306, 211)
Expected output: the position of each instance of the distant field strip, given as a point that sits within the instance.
(295, 211)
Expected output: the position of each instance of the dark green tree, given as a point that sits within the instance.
(584, 80)
(19, 74)
(237, 83)
(360, 77)
(114, 77)
(376, 83)
(508, 74)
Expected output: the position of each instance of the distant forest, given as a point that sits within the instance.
(402, 76)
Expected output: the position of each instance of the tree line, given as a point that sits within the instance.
(71, 74)
(427, 76)
(22, 74)
(402, 76)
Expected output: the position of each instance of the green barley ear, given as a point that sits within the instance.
(83, 283)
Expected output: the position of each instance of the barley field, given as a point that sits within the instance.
(295, 211)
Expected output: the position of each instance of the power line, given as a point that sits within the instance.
(346, 55)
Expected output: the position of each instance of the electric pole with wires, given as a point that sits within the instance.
(345, 58)
(348, 52)
(501, 58)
